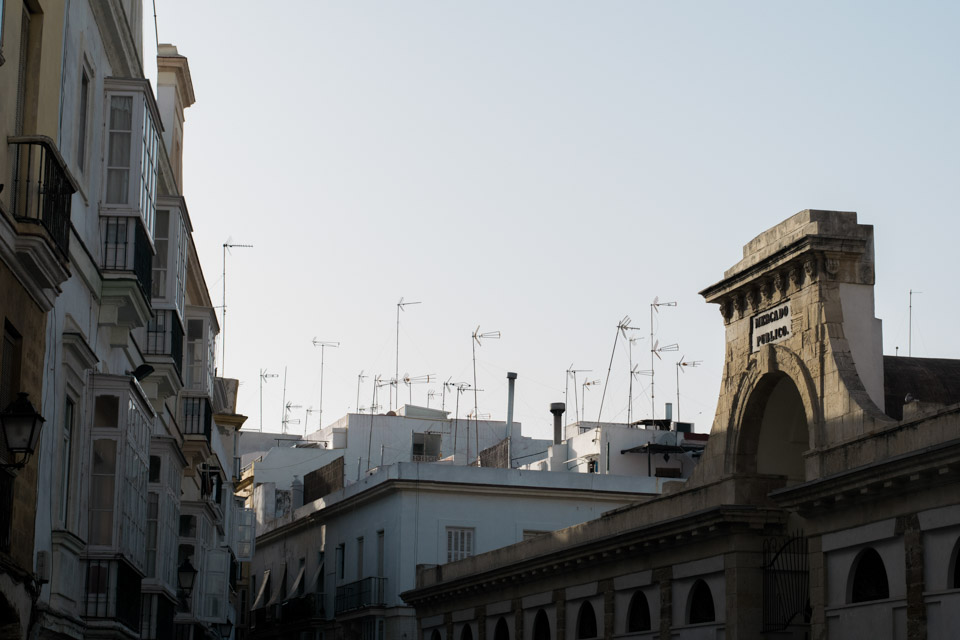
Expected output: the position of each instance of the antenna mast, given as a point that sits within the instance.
(323, 345)
(622, 327)
(571, 372)
(477, 336)
(655, 349)
(223, 309)
(264, 376)
(360, 378)
(680, 366)
(633, 373)
(910, 330)
(396, 371)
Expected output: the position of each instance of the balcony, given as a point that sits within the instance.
(43, 188)
(126, 259)
(40, 203)
(111, 594)
(369, 592)
(163, 349)
(304, 608)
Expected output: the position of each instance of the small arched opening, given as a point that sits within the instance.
(541, 626)
(638, 613)
(466, 633)
(586, 622)
(700, 607)
(501, 631)
(774, 433)
(435, 635)
(868, 578)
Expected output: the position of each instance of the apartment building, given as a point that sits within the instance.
(36, 188)
(123, 523)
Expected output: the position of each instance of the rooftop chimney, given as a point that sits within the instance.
(557, 409)
(511, 382)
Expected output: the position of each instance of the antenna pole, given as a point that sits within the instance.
(359, 380)
(323, 345)
(396, 370)
(223, 307)
(910, 330)
(283, 409)
(653, 352)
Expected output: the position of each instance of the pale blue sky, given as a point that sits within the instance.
(545, 168)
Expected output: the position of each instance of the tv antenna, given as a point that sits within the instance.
(572, 373)
(477, 337)
(323, 345)
(910, 324)
(306, 419)
(622, 327)
(223, 307)
(264, 376)
(430, 394)
(287, 408)
(461, 387)
(412, 380)
(396, 371)
(378, 382)
(680, 366)
(583, 393)
(655, 349)
(443, 395)
(360, 378)
(633, 373)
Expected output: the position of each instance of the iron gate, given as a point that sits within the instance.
(786, 582)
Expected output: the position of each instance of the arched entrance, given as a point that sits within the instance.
(773, 430)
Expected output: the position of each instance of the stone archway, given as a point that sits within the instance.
(775, 418)
(773, 430)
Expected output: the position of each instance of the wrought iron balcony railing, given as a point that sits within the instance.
(112, 593)
(125, 247)
(165, 337)
(369, 592)
(197, 417)
(42, 187)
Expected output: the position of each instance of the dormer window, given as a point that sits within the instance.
(131, 156)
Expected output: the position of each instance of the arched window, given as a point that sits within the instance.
(638, 613)
(700, 604)
(586, 622)
(869, 577)
(501, 631)
(541, 626)
(435, 635)
(466, 633)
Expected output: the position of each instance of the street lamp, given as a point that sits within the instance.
(21, 426)
(186, 575)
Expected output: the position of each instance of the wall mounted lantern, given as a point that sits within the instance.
(21, 426)
(225, 629)
(186, 575)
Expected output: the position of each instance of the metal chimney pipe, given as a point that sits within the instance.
(511, 383)
(557, 409)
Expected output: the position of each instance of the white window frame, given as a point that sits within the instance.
(461, 543)
(140, 198)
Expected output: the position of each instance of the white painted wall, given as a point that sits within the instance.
(497, 503)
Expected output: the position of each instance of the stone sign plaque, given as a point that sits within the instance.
(770, 326)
